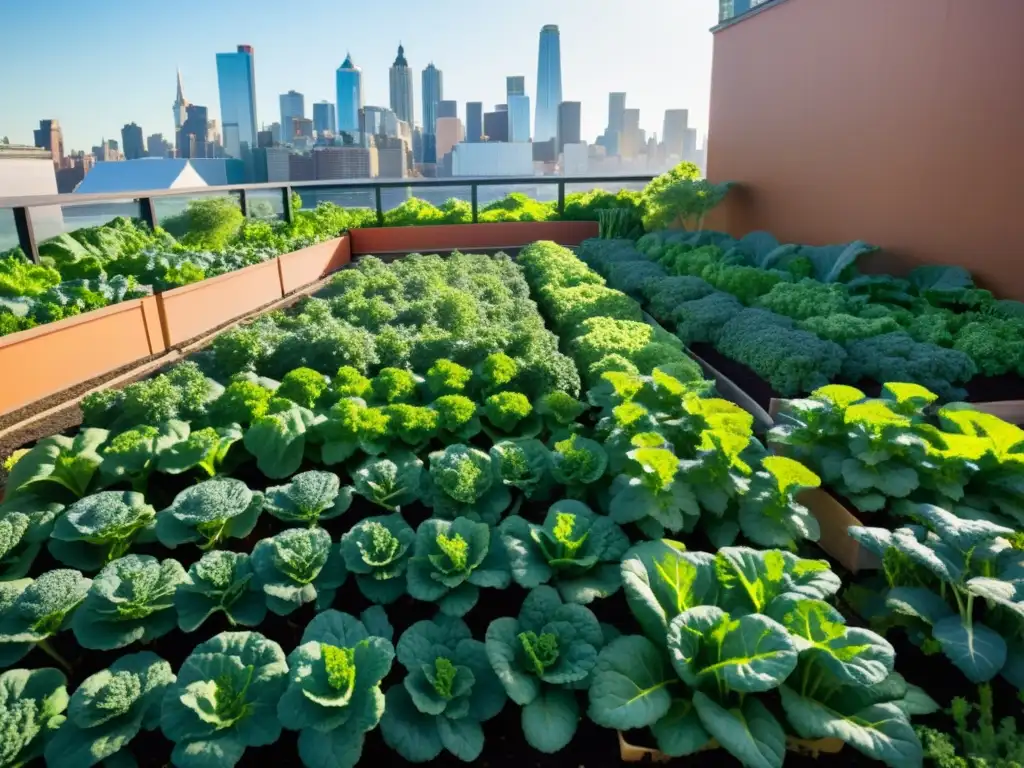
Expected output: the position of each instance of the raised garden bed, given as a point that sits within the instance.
(446, 237)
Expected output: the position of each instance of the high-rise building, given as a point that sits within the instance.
(301, 167)
(447, 108)
(293, 105)
(630, 136)
(518, 117)
(236, 81)
(417, 144)
(264, 139)
(302, 128)
(49, 136)
(156, 146)
(323, 118)
(568, 124)
(275, 133)
(515, 85)
(349, 83)
(487, 159)
(193, 138)
(401, 87)
(345, 162)
(449, 133)
(392, 156)
(690, 145)
(474, 121)
(378, 121)
(433, 92)
(131, 137)
(673, 134)
(213, 132)
(496, 125)
(180, 113)
(616, 107)
(549, 83)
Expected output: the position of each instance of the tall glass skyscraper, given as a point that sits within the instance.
(549, 84)
(323, 118)
(474, 121)
(518, 117)
(349, 80)
(433, 92)
(293, 105)
(236, 81)
(401, 87)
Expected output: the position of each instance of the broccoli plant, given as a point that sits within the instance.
(298, 566)
(25, 525)
(377, 551)
(131, 599)
(525, 465)
(278, 439)
(390, 482)
(457, 417)
(450, 689)
(351, 426)
(224, 700)
(452, 560)
(220, 582)
(132, 455)
(308, 498)
(461, 483)
(510, 414)
(109, 709)
(100, 528)
(32, 704)
(333, 696)
(59, 468)
(204, 449)
(33, 611)
(575, 550)
(208, 513)
(447, 378)
(541, 659)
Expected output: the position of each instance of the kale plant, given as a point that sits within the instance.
(298, 566)
(208, 513)
(26, 522)
(102, 527)
(308, 498)
(377, 551)
(461, 483)
(31, 611)
(390, 482)
(220, 582)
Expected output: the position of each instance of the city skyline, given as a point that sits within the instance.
(586, 42)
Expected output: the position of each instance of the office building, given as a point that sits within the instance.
(432, 93)
(293, 105)
(630, 137)
(544, 151)
(474, 121)
(673, 133)
(392, 156)
(265, 138)
(515, 85)
(193, 138)
(492, 159)
(575, 159)
(157, 147)
(549, 83)
(302, 128)
(108, 151)
(449, 133)
(496, 125)
(50, 137)
(378, 121)
(690, 145)
(568, 124)
(344, 163)
(323, 118)
(417, 144)
(180, 110)
(272, 164)
(349, 82)
(213, 132)
(300, 167)
(400, 76)
(518, 117)
(616, 110)
(236, 81)
(448, 108)
(131, 137)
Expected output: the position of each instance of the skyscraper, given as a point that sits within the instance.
(131, 137)
(401, 87)
(193, 138)
(447, 108)
(518, 108)
(496, 125)
(515, 85)
(629, 137)
(616, 106)
(157, 147)
(293, 105)
(180, 107)
(474, 121)
(323, 118)
(433, 92)
(349, 81)
(673, 134)
(549, 83)
(236, 81)
(568, 124)
(50, 137)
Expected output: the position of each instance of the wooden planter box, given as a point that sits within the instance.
(447, 237)
(630, 753)
(43, 361)
(300, 268)
(199, 308)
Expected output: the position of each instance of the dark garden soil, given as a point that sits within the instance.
(759, 389)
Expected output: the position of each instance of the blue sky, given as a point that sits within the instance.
(98, 64)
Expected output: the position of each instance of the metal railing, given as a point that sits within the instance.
(22, 207)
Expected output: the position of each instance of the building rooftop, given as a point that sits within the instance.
(400, 59)
(159, 173)
(347, 63)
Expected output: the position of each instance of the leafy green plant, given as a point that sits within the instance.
(655, 495)
(451, 561)
(133, 454)
(59, 467)
(333, 696)
(303, 386)
(578, 462)
(25, 525)
(394, 385)
(351, 426)
(525, 465)
(32, 611)
(543, 657)
(298, 566)
(131, 599)
(224, 700)
(390, 482)
(204, 449)
(377, 551)
(976, 734)
(447, 378)
(32, 704)
(461, 483)
(308, 498)
(450, 689)
(457, 417)
(575, 550)
(221, 582)
(102, 527)
(209, 512)
(683, 203)
(109, 709)
(278, 440)
(413, 425)
(510, 414)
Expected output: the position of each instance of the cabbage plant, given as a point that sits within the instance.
(524, 465)
(31, 611)
(308, 498)
(224, 700)
(131, 599)
(204, 449)
(542, 658)
(574, 549)
(461, 483)
(390, 482)
(333, 696)
(223, 582)
(209, 512)
(578, 462)
(32, 703)
(451, 561)
(26, 522)
(133, 454)
(448, 691)
(109, 709)
(278, 440)
(59, 467)
(377, 551)
(298, 566)
(102, 527)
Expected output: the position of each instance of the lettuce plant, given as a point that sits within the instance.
(31, 611)
(308, 498)
(377, 551)
(26, 522)
(204, 449)
(209, 512)
(333, 696)
(224, 700)
(351, 426)
(298, 566)
(542, 658)
(655, 495)
(523, 464)
(220, 582)
(451, 561)
(390, 482)
(278, 440)
(348, 382)
(575, 550)
(510, 414)
(447, 378)
(59, 467)
(461, 483)
(450, 689)
(32, 704)
(394, 385)
(109, 709)
(131, 599)
(457, 417)
(722, 631)
(576, 463)
(560, 411)
(132, 455)
(768, 512)
(100, 528)
(413, 425)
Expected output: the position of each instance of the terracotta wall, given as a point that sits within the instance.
(899, 122)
